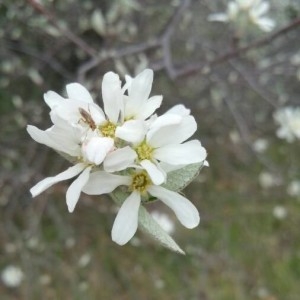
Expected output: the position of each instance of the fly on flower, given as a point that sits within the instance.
(126, 150)
(86, 118)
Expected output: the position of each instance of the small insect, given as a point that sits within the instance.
(87, 118)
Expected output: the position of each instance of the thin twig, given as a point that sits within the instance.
(64, 31)
(45, 58)
(251, 82)
(196, 67)
(167, 35)
(162, 40)
(245, 136)
(114, 54)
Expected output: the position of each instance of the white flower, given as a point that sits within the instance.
(164, 221)
(268, 180)
(293, 188)
(279, 212)
(80, 111)
(241, 11)
(12, 276)
(160, 144)
(93, 153)
(122, 145)
(138, 105)
(288, 118)
(256, 14)
(123, 115)
(87, 159)
(78, 131)
(141, 186)
(84, 260)
(260, 145)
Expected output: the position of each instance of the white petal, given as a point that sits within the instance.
(101, 182)
(47, 182)
(141, 87)
(96, 148)
(76, 91)
(127, 85)
(180, 110)
(119, 159)
(158, 124)
(174, 134)
(233, 10)
(261, 9)
(151, 105)
(74, 190)
(184, 210)
(186, 153)
(132, 131)
(96, 113)
(41, 136)
(112, 96)
(66, 138)
(52, 99)
(266, 24)
(55, 138)
(165, 120)
(157, 176)
(184, 130)
(126, 222)
(218, 17)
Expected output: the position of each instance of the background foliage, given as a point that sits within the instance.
(242, 249)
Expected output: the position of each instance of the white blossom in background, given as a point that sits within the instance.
(123, 145)
(45, 279)
(288, 119)
(293, 188)
(84, 260)
(243, 12)
(12, 276)
(268, 180)
(280, 212)
(260, 145)
(164, 221)
(235, 136)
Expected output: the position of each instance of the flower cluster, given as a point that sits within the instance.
(126, 144)
(244, 12)
(288, 118)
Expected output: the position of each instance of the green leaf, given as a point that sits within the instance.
(177, 180)
(148, 224)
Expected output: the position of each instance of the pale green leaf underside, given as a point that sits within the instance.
(179, 179)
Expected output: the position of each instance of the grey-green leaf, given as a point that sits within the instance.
(177, 180)
(148, 224)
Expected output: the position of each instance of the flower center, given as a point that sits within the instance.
(144, 151)
(140, 182)
(108, 129)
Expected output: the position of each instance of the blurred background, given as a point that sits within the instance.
(247, 245)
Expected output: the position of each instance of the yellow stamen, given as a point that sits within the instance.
(108, 129)
(144, 151)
